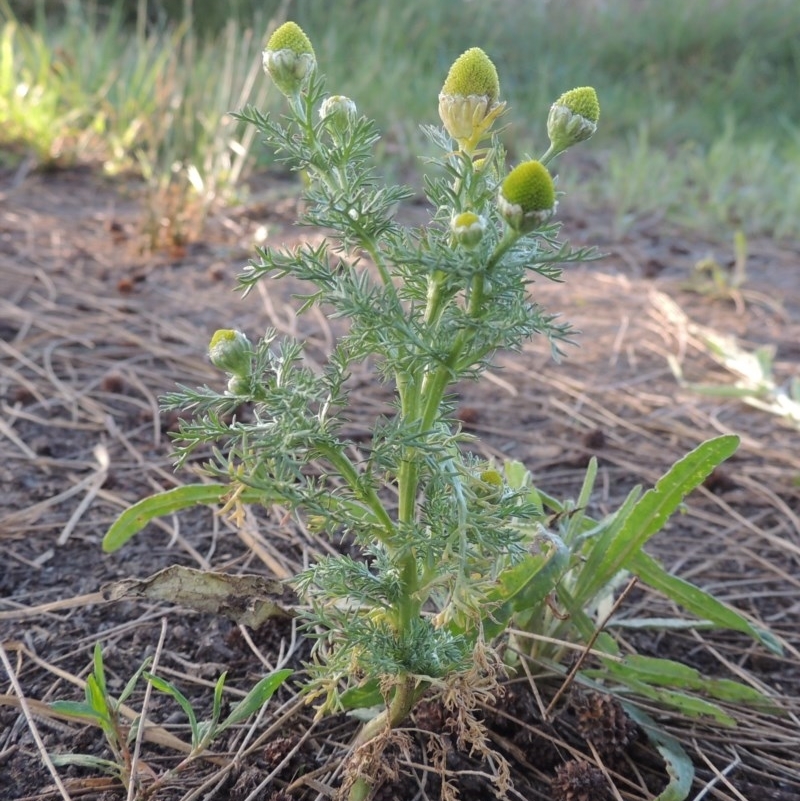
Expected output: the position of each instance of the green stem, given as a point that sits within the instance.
(406, 694)
(549, 155)
(363, 491)
(433, 305)
(435, 383)
(408, 473)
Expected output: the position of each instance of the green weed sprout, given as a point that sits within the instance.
(101, 709)
(453, 549)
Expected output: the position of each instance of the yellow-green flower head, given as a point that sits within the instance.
(231, 351)
(473, 73)
(573, 118)
(468, 102)
(492, 477)
(289, 58)
(527, 197)
(490, 484)
(338, 112)
(468, 228)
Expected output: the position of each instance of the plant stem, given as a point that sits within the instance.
(362, 490)
(406, 694)
(549, 155)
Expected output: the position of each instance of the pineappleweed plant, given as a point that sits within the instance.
(452, 548)
(432, 306)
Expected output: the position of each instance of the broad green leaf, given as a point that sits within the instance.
(597, 570)
(517, 476)
(651, 512)
(698, 601)
(668, 673)
(256, 698)
(526, 584)
(679, 767)
(170, 689)
(689, 705)
(364, 697)
(134, 519)
(577, 519)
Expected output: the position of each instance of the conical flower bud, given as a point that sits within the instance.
(239, 385)
(468, 102)
(338, 112)
(289, 58)
(468, 228)
(573, 118)
(231, 351)
(527, 197)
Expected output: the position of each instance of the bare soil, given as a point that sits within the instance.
(93, 330)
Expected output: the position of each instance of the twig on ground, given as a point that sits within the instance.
(32, 725)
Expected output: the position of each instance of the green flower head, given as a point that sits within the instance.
(573, 118)
(289, 58)
(230, 351)
(473, 73)
(468, 228)
(468, 102)
(583, 101)
(527, 197)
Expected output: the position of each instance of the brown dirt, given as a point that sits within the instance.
(92, 332)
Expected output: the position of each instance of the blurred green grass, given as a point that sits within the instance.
(700, 111)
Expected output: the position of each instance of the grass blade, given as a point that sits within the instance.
(256, 698)
(79, 709)
(218, 688)
(170, 689)
(668, 673)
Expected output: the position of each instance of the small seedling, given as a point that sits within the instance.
(103, 710)
(204, 732)
(755, 381)
(709, 277)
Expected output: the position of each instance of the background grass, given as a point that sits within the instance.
(700, 110)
